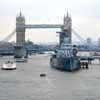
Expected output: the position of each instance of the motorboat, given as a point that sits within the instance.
(8, 66)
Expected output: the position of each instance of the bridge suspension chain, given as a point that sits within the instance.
(7, 38)
(79, 37)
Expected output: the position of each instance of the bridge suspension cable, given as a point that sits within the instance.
(79, 37)
(7, 38)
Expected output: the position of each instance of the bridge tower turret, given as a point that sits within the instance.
(20, 35)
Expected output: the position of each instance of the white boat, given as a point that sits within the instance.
(9, 66)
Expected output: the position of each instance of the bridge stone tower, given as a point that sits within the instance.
(66, 34)
(20, 36)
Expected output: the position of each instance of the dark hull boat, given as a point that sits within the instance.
(65, 59)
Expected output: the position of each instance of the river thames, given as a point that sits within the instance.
(25, 82)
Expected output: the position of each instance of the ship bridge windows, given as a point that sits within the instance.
(65, 53)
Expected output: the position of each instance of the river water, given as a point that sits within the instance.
(25, 82)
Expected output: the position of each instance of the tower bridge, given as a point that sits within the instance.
(65, 34)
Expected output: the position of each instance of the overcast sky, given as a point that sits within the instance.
(85, 17)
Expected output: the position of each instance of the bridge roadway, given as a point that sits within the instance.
(41, 26)
(25, 82)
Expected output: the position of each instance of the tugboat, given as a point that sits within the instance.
(65, 58)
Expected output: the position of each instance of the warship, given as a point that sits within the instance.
(65, 58)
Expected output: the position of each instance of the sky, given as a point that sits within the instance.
(85, 18)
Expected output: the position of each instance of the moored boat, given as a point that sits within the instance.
(66, 58)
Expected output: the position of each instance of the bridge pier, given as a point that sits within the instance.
(20, 52)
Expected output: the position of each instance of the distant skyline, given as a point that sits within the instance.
(85, 17)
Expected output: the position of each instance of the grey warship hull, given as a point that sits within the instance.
(66, 58)
(68, 64)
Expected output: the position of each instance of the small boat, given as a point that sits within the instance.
(42, 75)
(21, 59)
(8, 66)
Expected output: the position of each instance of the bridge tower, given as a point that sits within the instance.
(20, 30)
(20, 36)
(66, 34)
